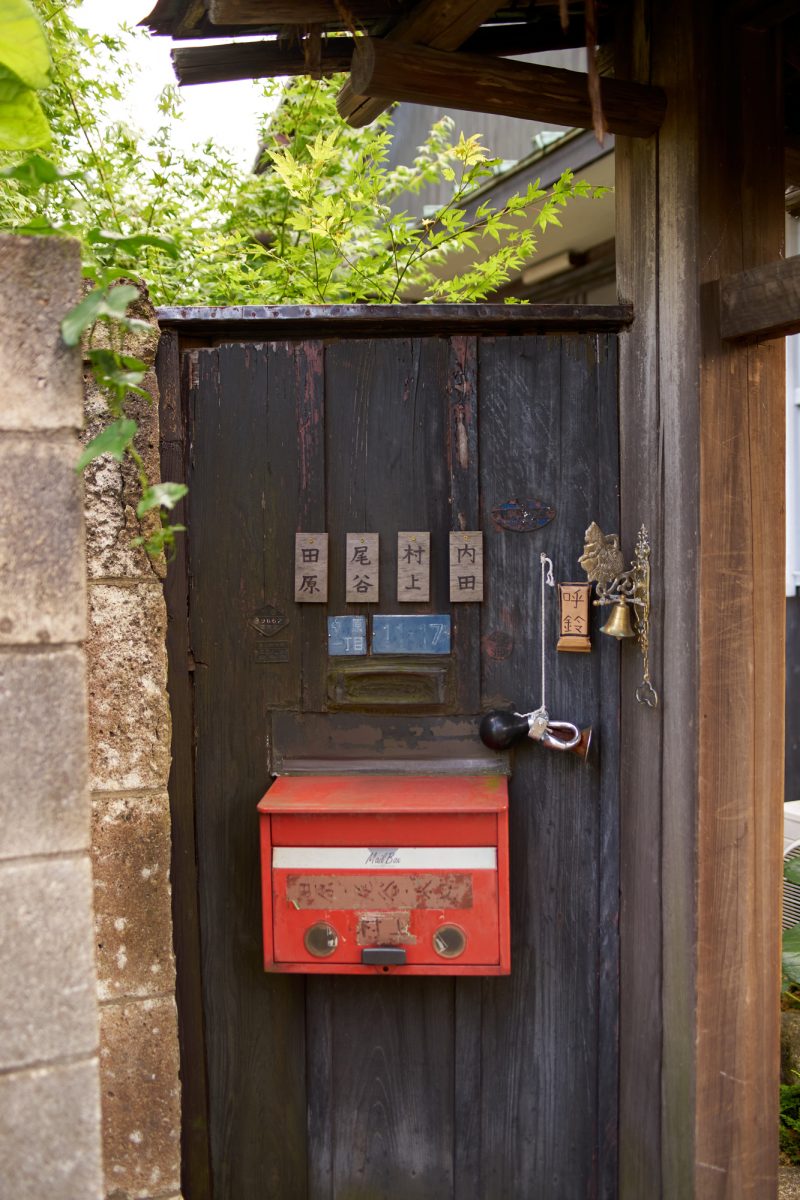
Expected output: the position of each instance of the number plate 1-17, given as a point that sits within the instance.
(418, 634)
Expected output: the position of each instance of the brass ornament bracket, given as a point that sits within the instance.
(627, 590)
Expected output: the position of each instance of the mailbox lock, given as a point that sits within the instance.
(321, 939)
(449, 941)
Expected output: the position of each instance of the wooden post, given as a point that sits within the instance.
(702, 464)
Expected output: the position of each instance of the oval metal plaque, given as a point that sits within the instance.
(522, 516)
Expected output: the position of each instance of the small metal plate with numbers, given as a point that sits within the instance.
(421, 633)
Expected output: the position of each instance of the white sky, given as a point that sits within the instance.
(225, 112)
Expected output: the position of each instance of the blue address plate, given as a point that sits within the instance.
(347, 635)
(418, 634)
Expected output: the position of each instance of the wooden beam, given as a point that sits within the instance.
(299, 12)
(506, 88)
(254, 60)
(762, 303)
(271, 58)
(440, 24)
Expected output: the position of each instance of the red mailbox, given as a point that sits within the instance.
(368, 873)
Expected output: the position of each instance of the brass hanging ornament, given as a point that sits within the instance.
(618, 624)
(627, 590)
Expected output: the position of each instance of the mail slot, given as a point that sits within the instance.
(379, 874)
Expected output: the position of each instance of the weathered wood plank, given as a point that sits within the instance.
(320, 1087)
(256, 60)
(606, 498)
(530, 1067)
(271, 375)
(762, 302)
(306, 382)
(391, 1043)
(323, 740)
(258, 1135)
(467, 1089)
(477, 83)
(393, 320)
(393, 1067)
(175, 396)
(462, 452)
(678, 338)
(443, 24)
(741, 606)
(387, 435)
(640, 766)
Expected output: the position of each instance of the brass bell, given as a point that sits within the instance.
(618, 624)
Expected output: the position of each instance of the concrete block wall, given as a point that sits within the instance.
(129, 758)
(50, 1124)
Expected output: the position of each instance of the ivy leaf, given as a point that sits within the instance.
(35, 172)
(132, 243)
(160, 495)
(23, 44)
(791, 870)
(110, 361)
(118, 373)
(113, 440)
(23, 125)
(37, 227)
(161, 541)
(108, 305)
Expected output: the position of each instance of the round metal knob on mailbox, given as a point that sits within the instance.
(449, 941)
(321, 939)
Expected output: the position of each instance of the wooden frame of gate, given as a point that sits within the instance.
(701, 439)
(184, 330)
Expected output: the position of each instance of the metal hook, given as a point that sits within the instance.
(542, 729)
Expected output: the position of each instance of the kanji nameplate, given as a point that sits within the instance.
(574, 626)
(362, 568)
(414, 567)
(466, 566)
(311, 568)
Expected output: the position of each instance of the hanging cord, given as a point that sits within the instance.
(547, 578)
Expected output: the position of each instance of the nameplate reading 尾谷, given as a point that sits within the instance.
(361, 569)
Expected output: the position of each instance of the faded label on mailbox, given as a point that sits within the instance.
(445, 890)
(384, 929)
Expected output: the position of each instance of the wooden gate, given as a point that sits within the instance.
(342, 1088)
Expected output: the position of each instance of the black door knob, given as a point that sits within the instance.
(499, 730)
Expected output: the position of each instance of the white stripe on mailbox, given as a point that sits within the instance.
(385, 858)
